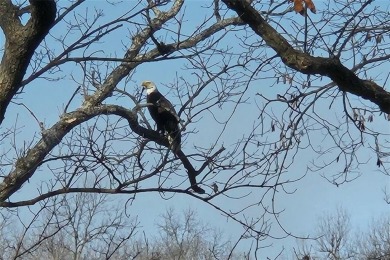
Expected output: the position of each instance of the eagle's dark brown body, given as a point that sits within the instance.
(165, 117)
(164, 114)
(167, 121)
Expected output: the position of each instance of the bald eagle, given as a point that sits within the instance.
(167, 121)
(164, 114)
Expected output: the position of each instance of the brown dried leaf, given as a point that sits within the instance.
(368, 37)
(379, 38)
(310, 5)
(379, 162)
(298, 7)
(362, 126)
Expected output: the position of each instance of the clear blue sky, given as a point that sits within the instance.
(362, 198)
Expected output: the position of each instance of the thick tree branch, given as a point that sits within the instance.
(131, 62)
(20, 46)
(85, 190)
(346, 79)
(9, 21)
(27, 165)
(138, 42)
(190, 171)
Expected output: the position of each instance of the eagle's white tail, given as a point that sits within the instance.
(174, 143)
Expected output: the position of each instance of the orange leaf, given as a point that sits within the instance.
(298, 7)
(310, 5)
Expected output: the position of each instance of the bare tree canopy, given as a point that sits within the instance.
(263, 96)
(337, 240)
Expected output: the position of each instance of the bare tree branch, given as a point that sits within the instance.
(21, 46)
(307, 64)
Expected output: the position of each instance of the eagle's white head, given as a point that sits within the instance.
(149, 86)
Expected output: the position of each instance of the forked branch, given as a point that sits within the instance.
(331, 67)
